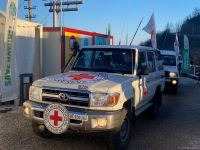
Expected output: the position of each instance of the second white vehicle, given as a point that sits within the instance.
(170, 63)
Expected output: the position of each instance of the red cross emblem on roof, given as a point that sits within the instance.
(56, 118)
(81, 76)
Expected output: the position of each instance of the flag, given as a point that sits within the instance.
(176, 44)
(151, 29)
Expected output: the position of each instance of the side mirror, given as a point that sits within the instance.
(144, 70)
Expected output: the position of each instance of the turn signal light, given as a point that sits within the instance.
(113, 99)
(26, 111)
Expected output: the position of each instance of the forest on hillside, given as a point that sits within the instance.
(190, 27)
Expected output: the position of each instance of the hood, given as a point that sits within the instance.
(171, 68)
(92, 81)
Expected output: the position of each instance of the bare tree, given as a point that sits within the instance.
(178, 26)
(196, 12)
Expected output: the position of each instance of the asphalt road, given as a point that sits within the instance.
(176, 127)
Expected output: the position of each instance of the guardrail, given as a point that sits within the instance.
(194, 72)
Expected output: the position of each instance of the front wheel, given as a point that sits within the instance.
(157, 101)
(120, 140)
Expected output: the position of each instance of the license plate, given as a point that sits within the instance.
(78, 116)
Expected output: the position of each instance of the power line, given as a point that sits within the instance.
(59, 7)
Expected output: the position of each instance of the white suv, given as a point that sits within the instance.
(170, 62)
(102, 90)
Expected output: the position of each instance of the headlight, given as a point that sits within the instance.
(172, 74)
(103, 100)
(35, 93)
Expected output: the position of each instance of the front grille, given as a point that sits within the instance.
(76, 98)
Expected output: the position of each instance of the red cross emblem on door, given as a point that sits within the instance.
(56, 118)
(81, 76)
(145, 92)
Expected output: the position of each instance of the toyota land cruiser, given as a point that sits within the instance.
(102, 89)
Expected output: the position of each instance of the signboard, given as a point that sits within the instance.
(186, 61)
(9, 65)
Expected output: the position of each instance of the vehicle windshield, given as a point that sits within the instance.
(169, 60)
(105, 60)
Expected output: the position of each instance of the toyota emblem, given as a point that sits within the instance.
(63, 96)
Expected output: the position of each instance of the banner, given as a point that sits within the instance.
(186, 60)
(9, 72)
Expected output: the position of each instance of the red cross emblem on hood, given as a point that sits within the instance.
(81, 76)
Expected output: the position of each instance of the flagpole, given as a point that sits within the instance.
(136, 30)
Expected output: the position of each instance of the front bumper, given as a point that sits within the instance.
(114, 119)
(171, 81)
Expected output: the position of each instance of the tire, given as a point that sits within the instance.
(44, 132)
(120, 139)
(157, 101)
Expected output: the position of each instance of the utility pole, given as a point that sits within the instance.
(29, 8)
(61, 17)
(62, 6)
(54, 14)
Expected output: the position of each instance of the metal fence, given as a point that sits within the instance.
(194, 72)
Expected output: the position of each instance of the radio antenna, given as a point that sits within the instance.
(136, 30)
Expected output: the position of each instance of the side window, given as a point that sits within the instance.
(84, 59)
(151, 62)
(142, 61)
